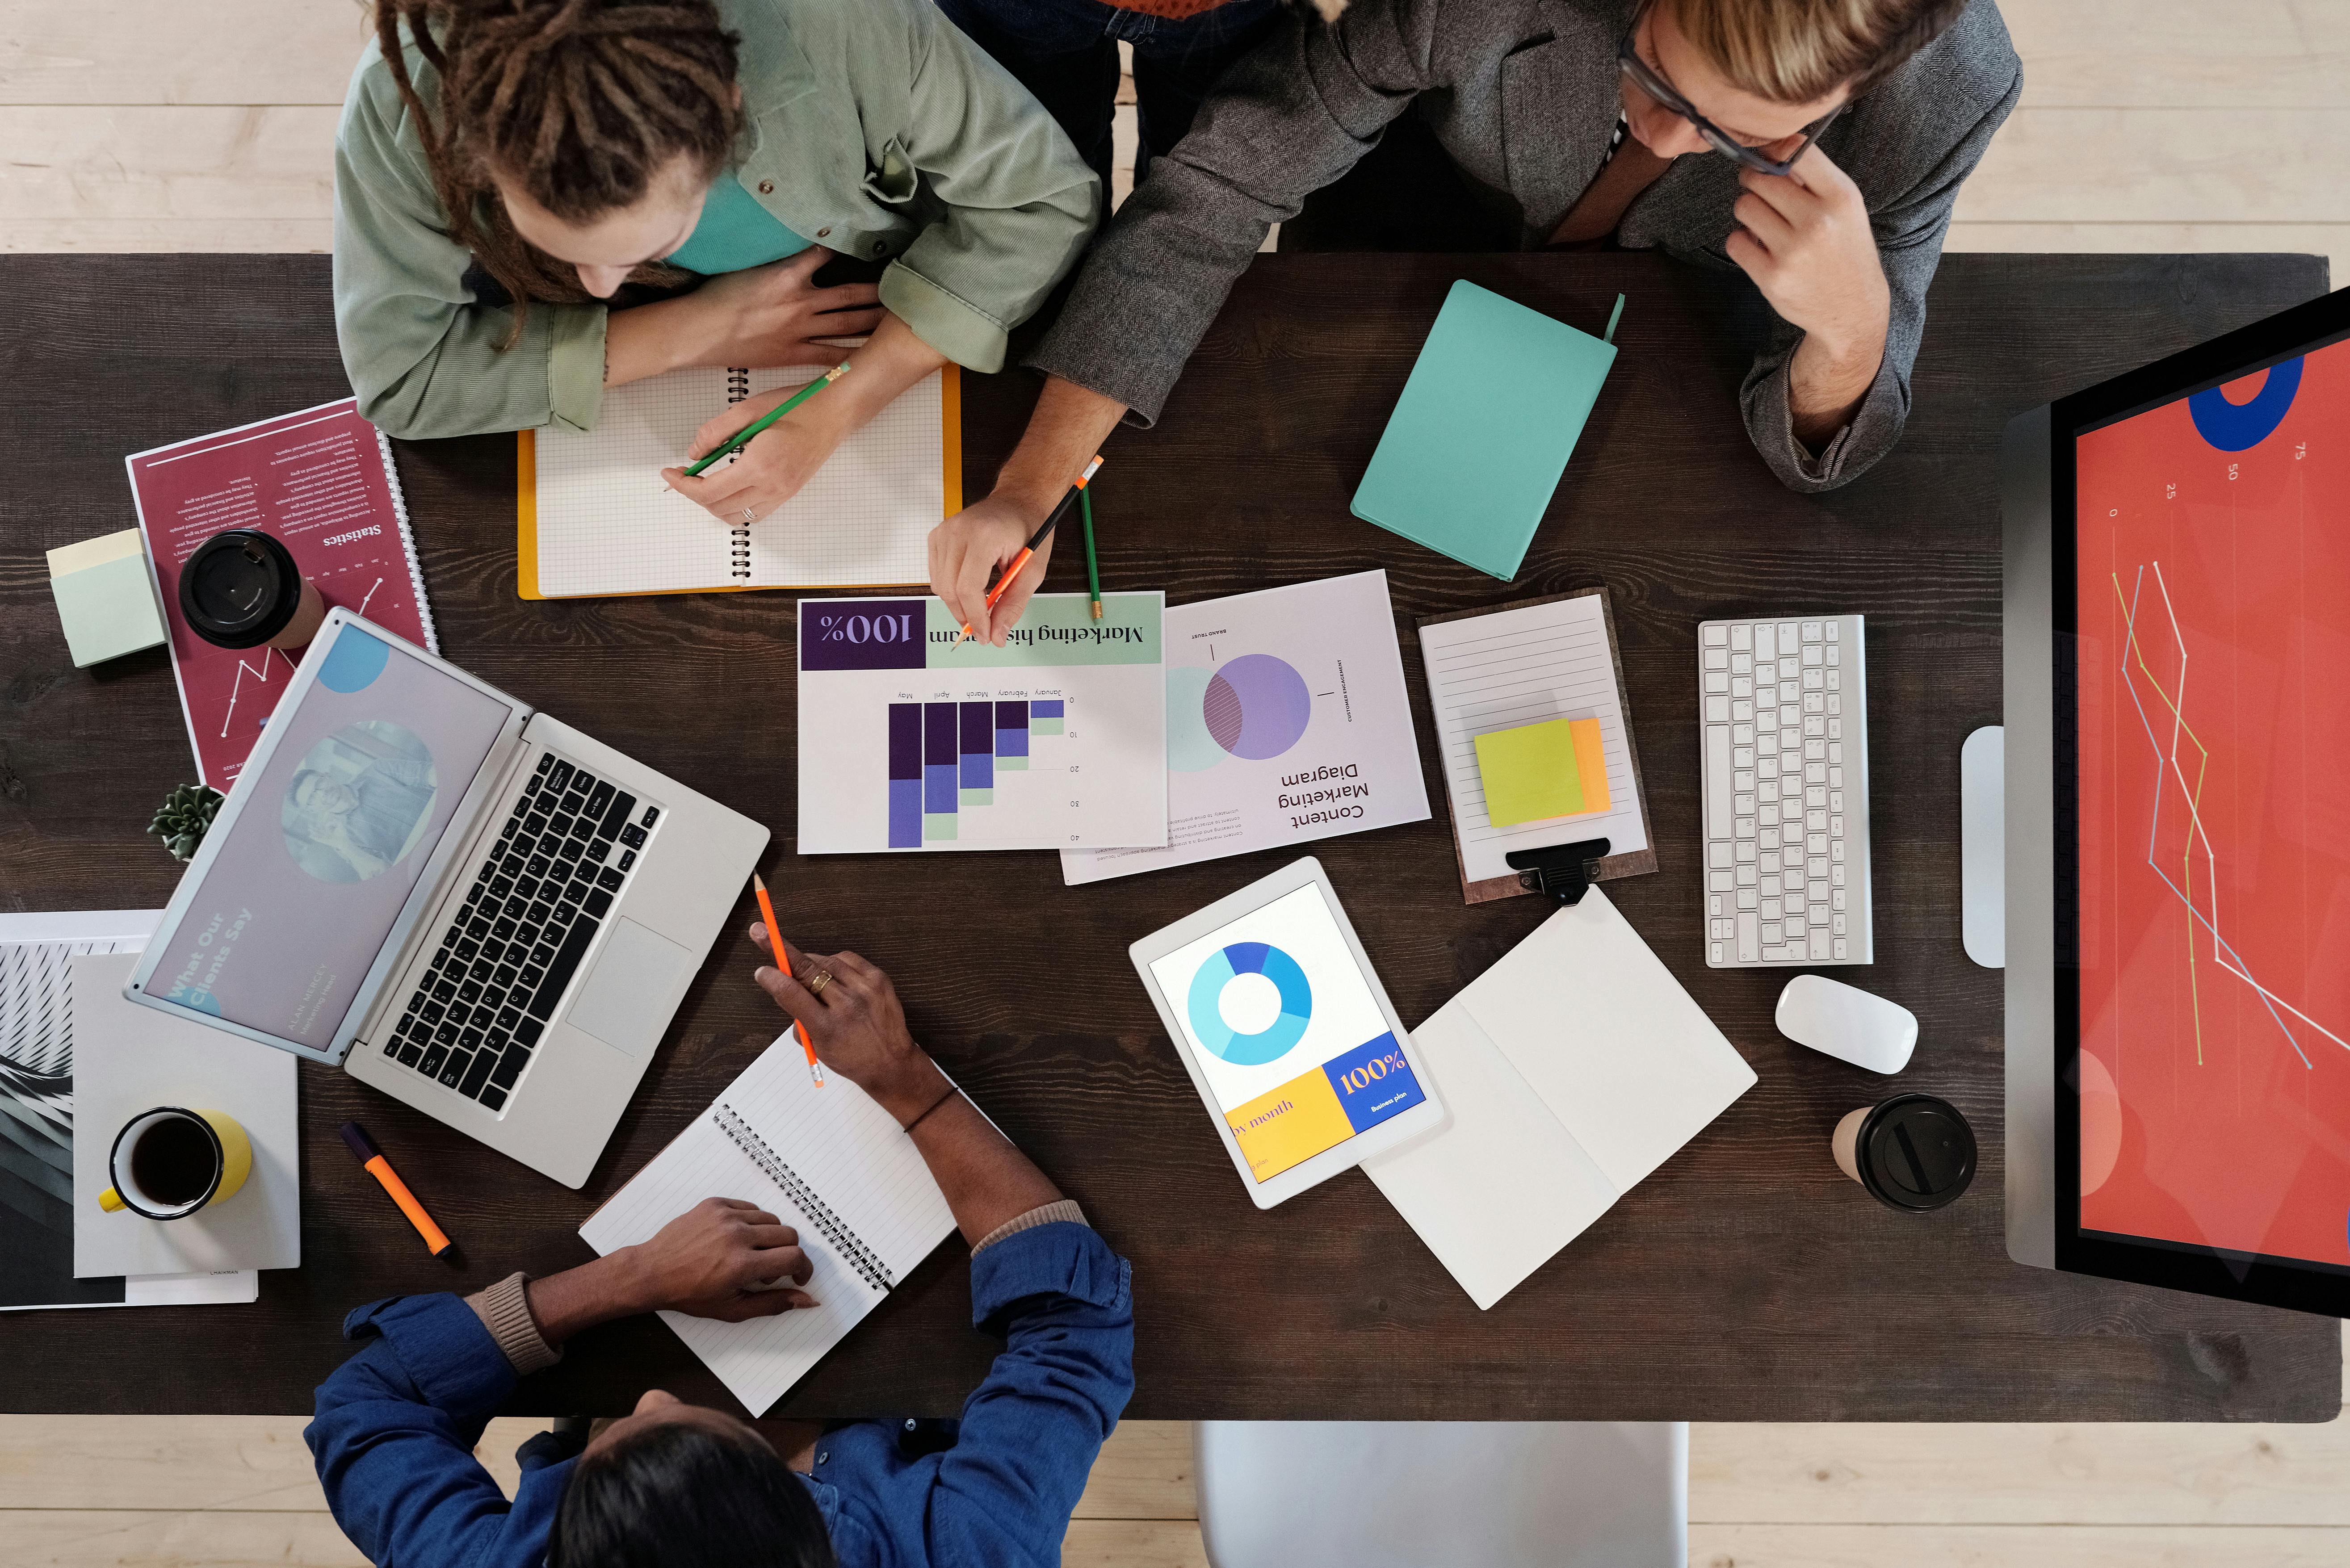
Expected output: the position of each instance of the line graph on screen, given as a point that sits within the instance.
(2171, 767)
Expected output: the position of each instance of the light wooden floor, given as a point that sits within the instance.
(192, 125)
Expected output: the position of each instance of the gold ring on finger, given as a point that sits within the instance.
(816, 981)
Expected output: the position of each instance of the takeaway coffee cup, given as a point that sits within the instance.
(242, 590)
(1913, 1152)
(170, 1162)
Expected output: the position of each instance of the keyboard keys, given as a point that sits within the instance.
(567, 963)
(510, 1066)
(633, 836)
(454, 1068)
(615, 816)
(1780, 831)
(651, 812)
(434, 1060)
(600, 903)
(559, 775)
(477, 1073)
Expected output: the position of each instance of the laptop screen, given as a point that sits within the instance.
(336, 829)
(2213, 606)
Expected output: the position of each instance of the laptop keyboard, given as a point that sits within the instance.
(512, 951)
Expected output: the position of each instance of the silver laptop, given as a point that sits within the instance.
(471, 907)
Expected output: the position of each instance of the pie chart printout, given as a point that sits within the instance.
(1257, 707)
(1233, 967)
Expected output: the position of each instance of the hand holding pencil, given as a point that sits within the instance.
(852, 1014)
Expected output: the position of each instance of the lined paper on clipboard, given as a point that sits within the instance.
(1495, 669)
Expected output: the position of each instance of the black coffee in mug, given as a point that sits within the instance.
(173, 1160)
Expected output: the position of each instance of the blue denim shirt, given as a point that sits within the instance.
(397, 1424)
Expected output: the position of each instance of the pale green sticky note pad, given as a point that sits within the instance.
(1529, 773)
(1482, 431)
(108, 609)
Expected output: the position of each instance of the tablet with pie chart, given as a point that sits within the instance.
(1286, 1032)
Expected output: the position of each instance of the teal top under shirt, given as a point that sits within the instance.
(734, 233)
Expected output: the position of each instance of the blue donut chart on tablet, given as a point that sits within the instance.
(1205, 1003)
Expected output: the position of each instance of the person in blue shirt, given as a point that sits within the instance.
(682, 1486)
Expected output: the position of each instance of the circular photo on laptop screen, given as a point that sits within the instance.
(359, 801)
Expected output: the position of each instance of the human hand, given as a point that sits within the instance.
(768, 315)
(971, 545)
(856, 1025)
(720, 1258)
(773, 466)
(1804, 238)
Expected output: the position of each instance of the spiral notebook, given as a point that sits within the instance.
(832, 1165)
(593, 518)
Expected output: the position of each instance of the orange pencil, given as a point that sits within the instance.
(371, 1159)
(783, 962)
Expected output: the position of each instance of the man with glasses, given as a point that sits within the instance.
(1815, 145)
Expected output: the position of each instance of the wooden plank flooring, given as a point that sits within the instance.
(2147, 125)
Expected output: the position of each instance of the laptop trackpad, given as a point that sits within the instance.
(631, 993)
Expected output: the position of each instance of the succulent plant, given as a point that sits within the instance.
(181, 820)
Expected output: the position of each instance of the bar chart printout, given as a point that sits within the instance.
(911, 742)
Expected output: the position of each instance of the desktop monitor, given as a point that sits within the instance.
(2178, 820)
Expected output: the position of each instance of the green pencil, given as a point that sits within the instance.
(742, 437)
(1093, 567)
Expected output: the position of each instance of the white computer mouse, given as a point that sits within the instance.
(1847, 1023)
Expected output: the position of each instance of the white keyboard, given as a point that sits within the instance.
(1783, 720)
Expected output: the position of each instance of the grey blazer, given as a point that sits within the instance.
(1522, 94)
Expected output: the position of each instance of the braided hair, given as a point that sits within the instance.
(579, 103)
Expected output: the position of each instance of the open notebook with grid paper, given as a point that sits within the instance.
(593, 518)
(832, 1165)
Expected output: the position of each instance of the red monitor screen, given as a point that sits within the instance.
(2214, 816)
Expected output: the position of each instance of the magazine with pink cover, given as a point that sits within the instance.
(322, 482)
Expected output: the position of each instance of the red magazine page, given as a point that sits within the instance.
(321, 481)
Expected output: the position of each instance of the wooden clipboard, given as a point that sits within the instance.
(1614, 866)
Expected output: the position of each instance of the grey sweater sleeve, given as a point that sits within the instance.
(1291, 118)
(1909, 234)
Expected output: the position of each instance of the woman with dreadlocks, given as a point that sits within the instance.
(509, 174)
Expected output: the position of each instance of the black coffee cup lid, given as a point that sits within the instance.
(240, 588)
(1916, 1152)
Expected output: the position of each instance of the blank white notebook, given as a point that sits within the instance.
(1572, 1069)
(594, 518)
(829, 1163)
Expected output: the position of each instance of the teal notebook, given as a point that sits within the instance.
(1482, 432)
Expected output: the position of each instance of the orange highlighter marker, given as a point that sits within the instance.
(372, 1157)
(783, 962)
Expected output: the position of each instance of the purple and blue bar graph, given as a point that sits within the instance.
(944, 756)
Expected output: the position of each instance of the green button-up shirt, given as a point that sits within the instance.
(872, 126)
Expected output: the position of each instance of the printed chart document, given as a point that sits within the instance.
(321, 484)
(829, 1163)
(1522, 664)
(909, 741)
(1286, 722)
(1572, 1069)
(593, 516)
(37, 1121)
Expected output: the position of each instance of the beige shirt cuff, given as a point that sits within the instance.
(505, 1310)
(1064, 1210)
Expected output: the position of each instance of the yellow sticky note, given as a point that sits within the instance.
(1530, 772)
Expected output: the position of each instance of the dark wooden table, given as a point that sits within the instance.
(1747, 1279)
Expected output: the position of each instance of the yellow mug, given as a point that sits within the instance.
(170, 1162)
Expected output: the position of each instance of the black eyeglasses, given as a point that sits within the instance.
(1722, 141)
